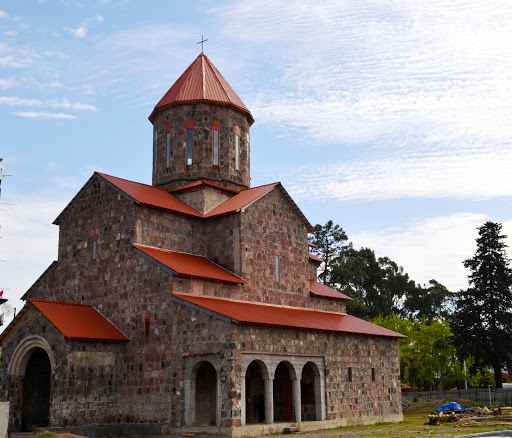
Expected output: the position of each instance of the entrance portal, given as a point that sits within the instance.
(283, 401)
(36, 391)
(254, 394)
(206, 395)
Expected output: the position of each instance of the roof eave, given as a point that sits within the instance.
(158, 109)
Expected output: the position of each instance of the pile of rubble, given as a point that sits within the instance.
(469, 415)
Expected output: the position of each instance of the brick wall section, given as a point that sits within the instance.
(169, 230)
(202, 163)
(268, 225)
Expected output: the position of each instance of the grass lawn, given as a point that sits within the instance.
(413, 425)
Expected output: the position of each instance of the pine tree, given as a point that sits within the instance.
(483, 316)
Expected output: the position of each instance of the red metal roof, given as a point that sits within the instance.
(79, 321)
(241, 200)
(201, 83)
(315, 258)
(264, 314)
(151, 195)
(200, 183)
(321, 290)
(190, 265)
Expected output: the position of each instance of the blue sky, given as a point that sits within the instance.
(392, 118)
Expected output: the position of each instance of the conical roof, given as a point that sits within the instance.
(201, 83)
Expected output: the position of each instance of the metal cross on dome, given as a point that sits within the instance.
(202, 41)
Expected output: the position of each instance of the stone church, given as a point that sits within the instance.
(192, 303)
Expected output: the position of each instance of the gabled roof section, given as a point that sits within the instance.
(246, 197)
(277, 316)
(136, 192)
(241, 200)
(201, 83)
(162, 198)
(321, 290)
(40, 280)
(202, 183)
(75, 321)
(188, 265)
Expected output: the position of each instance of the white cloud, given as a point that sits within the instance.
(56, 104)
(4, 14)
(29, 242)
(11, 33)
(80, 32)
(15, 62)
(431, 249)
(7, 83)
(43, 115)
(471, 173)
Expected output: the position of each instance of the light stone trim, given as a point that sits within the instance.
(191, 366)
(268, 364)
(22, 354)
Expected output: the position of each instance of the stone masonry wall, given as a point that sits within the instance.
(179, 173)
(85, 382)
(347, 402)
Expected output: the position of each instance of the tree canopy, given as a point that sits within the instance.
(482, 321)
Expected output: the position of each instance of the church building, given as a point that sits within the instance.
(192, 304)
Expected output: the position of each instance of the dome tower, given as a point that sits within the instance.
(201, 131)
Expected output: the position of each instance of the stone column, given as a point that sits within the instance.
(296, 399)
(269, 400)
(243, 413)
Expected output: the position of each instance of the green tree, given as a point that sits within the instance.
(330, 241)
(482, 321)
(430, 301)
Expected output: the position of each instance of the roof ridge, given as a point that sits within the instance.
(260, 304)
(171, 250)
(61, 302)
(104, 175)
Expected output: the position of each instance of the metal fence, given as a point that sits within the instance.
(491, 396)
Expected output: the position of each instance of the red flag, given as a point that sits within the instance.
(1, 293)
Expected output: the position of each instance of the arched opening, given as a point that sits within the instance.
(283, 394)
(36, 391)
(206, 395)
(254, 394)
(309, 391)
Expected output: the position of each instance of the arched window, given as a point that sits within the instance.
(236, 131)
(168, 145)
(189, 126)
(216, 142)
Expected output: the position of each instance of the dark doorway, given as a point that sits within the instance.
(307, 393)
(283, 398)
(254, 394)
(206, 395)
(36, 391)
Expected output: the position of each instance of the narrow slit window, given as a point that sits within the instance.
(168, 150)
(94, 247)
(277, 267)
(350, 374)
(215, 147)
(237, 152)
(373, 374)
(147, 326)
(189, 147)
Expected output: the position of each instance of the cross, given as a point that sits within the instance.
(202, 41)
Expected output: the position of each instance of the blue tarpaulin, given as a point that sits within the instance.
(452, 407)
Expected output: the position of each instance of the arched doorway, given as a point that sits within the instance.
(36, 391)
(283, 394)
(308, 391)
(254, 394)
(206, 395)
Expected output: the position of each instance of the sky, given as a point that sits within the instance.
(391, 118)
